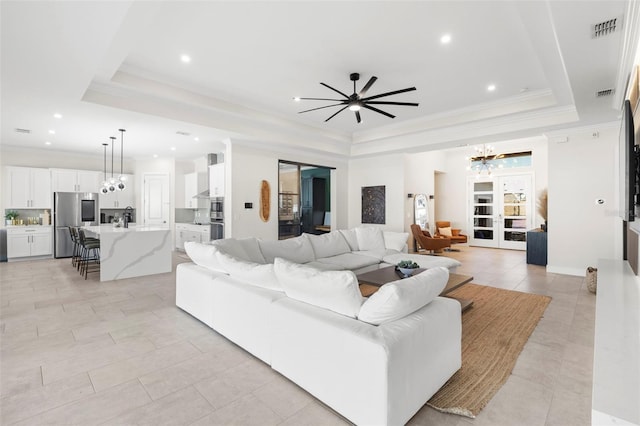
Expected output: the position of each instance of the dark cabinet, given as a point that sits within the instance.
(537, 247)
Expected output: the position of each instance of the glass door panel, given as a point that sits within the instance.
(483, 222)
(515, 209)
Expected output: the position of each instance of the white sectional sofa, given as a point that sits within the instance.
(295, 304)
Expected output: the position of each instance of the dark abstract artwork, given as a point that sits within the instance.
(373, 210)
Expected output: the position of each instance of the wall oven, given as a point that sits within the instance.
(217, 209)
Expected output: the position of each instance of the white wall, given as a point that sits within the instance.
(387, 170)
(249, 165)
(581, 171)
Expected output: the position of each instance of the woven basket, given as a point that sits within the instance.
(592, 279)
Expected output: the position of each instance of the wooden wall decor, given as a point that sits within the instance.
(373, 204)
(265, 201)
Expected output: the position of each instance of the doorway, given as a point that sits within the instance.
(157, 205)
(500, 211)
(304, 199)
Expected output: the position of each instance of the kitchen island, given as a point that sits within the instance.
(132, 252)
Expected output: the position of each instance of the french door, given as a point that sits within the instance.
(501, 211)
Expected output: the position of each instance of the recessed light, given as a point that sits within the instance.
(491, 87)
(56, 115)
(173, 148)
(155, 155)
(445, 39)
(47, 143)
(196, 139)
(185, 58)
(52, 132)
(297, 98)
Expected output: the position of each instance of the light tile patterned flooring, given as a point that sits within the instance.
(120, 352)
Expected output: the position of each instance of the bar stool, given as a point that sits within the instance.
(75, 255)
(90, 254)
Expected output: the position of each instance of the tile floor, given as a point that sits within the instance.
(120, 352)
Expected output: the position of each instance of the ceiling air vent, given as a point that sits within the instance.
(605, 28)
(19, 130)
(181, 133)
(605, 92)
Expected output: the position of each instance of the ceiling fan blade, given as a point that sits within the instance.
(335, 90)
(379, 111)
(320, 99)
(367, 86)
(322, 107)
(358, 119)
(395, 92)
(392, 103)
(341, 109)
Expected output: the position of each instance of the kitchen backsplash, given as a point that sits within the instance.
(192, 216)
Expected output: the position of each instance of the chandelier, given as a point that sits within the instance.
(483, 160)
(112, 184)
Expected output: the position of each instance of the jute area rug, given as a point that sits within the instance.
(494, 331)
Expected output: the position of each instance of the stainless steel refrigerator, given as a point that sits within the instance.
(72, 209)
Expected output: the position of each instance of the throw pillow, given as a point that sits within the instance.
(232, 247)
(445, 231)
(327, 245)
(395, 240)
(370, 238)
(337, 291)
(296, 249)
(259, 275)
(203, 255)
(400, 298)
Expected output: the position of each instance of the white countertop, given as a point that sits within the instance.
(109, 229)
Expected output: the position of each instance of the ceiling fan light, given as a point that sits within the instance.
(354, 107)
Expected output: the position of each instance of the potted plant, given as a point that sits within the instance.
(542, 207)
(407, 267)
(10, 216)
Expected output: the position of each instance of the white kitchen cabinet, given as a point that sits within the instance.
(119, 199)
(216, 180)
(68, 180)
(27, 187)
(191, 232)
(194, 183)
(29, 241)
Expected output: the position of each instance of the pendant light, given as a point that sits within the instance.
(122, 178)
(112, 180)
(104, 188)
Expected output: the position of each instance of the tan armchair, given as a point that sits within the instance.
(427, 242)
(456, 237)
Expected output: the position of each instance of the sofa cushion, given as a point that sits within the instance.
(257, 274)
(351, 238)
(400, 298)
(349, 261)
(337, 291)
(395, 240)
(327, 245)
(296, 249)
(325, 266)
(243, 248)
(370, 238)
(203, 255)
(425, 261)
(376, 254)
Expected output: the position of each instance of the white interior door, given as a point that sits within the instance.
(157, 204)
(500, 211)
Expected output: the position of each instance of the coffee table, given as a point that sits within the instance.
(371, 281)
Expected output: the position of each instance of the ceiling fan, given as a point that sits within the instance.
(358, 100)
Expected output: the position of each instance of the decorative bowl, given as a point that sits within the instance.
(407, 272)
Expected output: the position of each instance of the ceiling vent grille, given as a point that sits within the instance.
(26, 131)
(605, 92)
(605, 28)
(181, 133)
